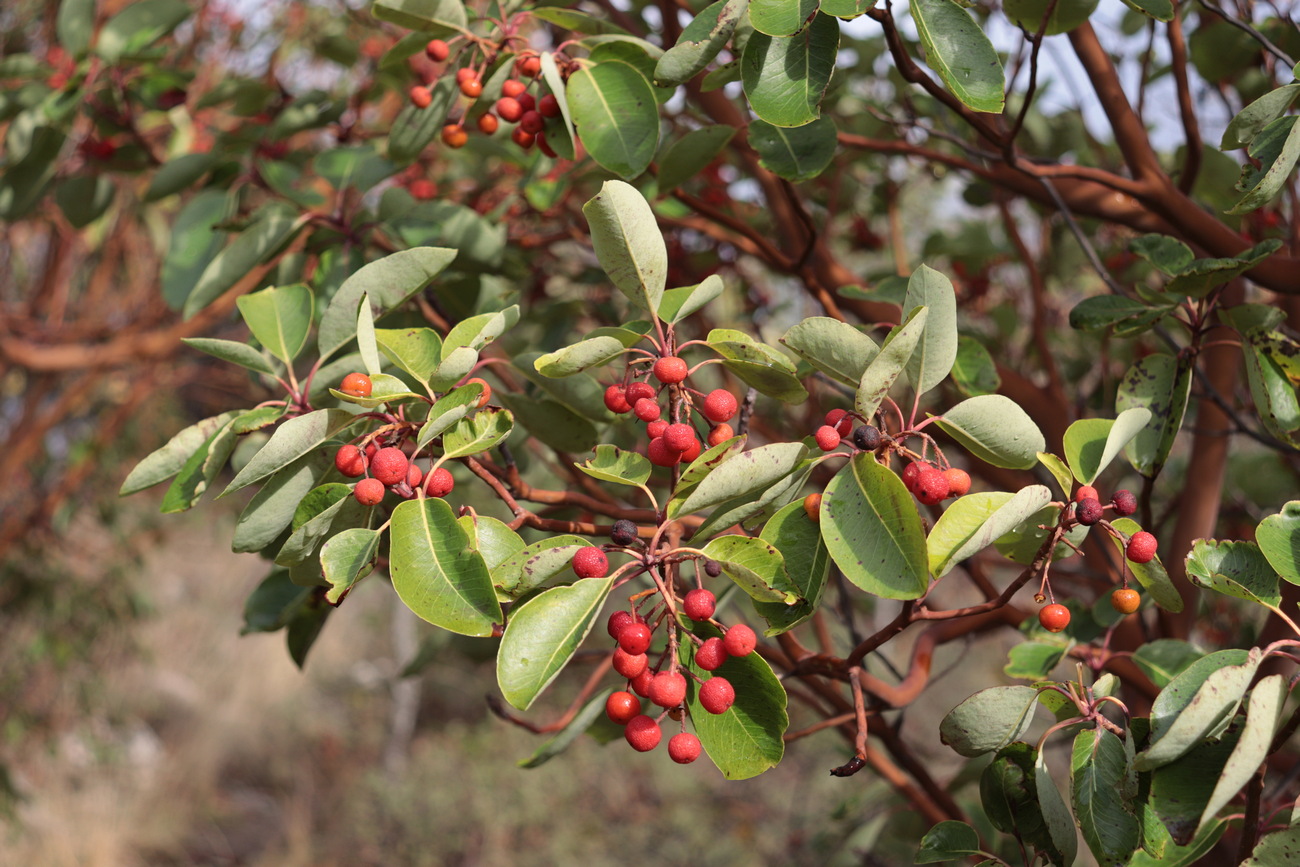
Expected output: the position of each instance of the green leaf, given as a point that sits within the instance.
(1098, 770)
(179, 174)
(1277, 148)
(542, 636)
(414, 128)
(472, 436)
(1167, 254)
(1164, 659)
(892, 359)
(272, 508)
(1009, 797)
(1275, 850)
(836, 348)
(989, 720)
(612, 464)
(691, 153)
(996, 430)
(626, 238)
(314, 521)
(194, 243)
(279, 318)
(807, 565)
(84, 200)
(1102, 311)
(435, 571)
(1161, 384)
(847, 8)
(744, 475)
(755, 566)
(273, 227)
(555, 424)
(1162, 10)
(616, 116)
(700, 42)
(591, 712)
(137, 26)
(780, 17)
(75, 26)
(580, 356)
(449, 409)
(973, 371)
(273, 603)
(366, 344)
(293, 439)
(1180, 790)
(873, 532)
(1263, 718)
(1272, 391)
(1205, 275)
(767, 369)
(1235, 569)
(785, 77)
(580, 22)
(1056, 816)
(385, 388)
(26, 181)
(388, 282)
(1187, 718)
(1033, 660)
(1060, 471)
(346, 558)
(435, 17)
(677, 304)
(755, 508)
(957, 49)
(541, 564)
(198, 472)
(797, 154)
(1279, 540)
(232, 351)
(1092, 443)
(948, 841)
(1251, 120)
(975, 521)
(167, 461)
(746, 740)
(492, 538)
(1067, 14)
(418, 351)
(561, 144)
(937, 350)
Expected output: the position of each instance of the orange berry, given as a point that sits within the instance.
(487, 123)
(812, 507)
(1125, 600)
(487, 390)
(356, 384)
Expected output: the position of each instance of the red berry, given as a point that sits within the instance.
(421, 97)
(711, 654)
(656, 428)
(1141, 547)
(740, 640)
(1125, 503)
(437, 50)
(930, 487)
(414, 475)
(717, 695)
(641, 683)
(423, 189)
(616, 400)
(509, 109)
(369, 492)
(549, 106)
(512, 87)
(523, 139)
(439, 483)
(1125, 600)
(958, 482)
(812, 507)
(720, 434)
(389, 465)
(630, 665)
(487, 123)
(678, 437)
(621, 706)
(642, 733)
(670, 369)
(1087, 511)
(591, 562)
(668, 689)
(638, 390)
(527, 102)
(464, 74)
(684, 748)
(532, 122)
(699, 604)
(910, 472)
(635, 638)
(719, 406)
(646, 409)
(530, 66)
(487, 391)
(1086, 492)
(454, 135)
(617, 621)
(350, 461)
(660, 455)
(544, 147)
(692, 451)
(471, 87)
(828, 439)
(356, 384)
(1054, 617)
(841, 421)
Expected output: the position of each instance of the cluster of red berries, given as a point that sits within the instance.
(667, 688)
(1140, 548)
(672, 443)
(931, 485)
(388, 467)
(515, 106)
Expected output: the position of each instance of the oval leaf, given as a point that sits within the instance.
(795, 153)
(757, 568)
(616, 116)
(989, 720)
(628, 243)
(975, 521)
(542, 636)
(472, 436)
(873, 531)
(785, 77)
(612, 464)
(996, 430)
(957, 49)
